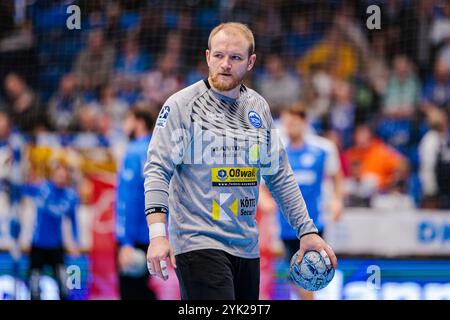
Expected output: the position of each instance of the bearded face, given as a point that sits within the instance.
(228, 60)
(225, 81)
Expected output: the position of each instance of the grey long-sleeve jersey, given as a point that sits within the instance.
(204, 167)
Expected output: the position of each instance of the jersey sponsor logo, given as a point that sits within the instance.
(162, 117)
(255, 119)
(222, 174)
(225, 208)
(247, 206)
(234, 177)
(226, 151)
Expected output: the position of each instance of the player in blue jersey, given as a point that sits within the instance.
(308, 161)
(55, 201)
(131, 225)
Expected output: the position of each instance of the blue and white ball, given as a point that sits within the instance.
(312, 273)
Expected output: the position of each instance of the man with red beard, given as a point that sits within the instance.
(212, 144)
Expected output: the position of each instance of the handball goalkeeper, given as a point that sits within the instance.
(213, 142)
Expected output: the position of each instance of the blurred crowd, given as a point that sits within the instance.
(383, 96)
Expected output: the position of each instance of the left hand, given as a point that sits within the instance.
(313, 241)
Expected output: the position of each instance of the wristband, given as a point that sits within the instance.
(157, 229)
(156, 210)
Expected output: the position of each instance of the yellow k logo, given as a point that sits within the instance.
(225, 208)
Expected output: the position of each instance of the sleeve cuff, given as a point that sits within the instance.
(307, 228)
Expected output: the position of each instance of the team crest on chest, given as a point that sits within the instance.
(255, 119)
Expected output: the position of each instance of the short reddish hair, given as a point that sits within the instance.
(240, 28)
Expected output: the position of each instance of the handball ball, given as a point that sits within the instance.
(312, 273)
(138, 266)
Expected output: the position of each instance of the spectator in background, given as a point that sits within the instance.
(191, 39)
(175, 46)
(402, 90)
(22, 104)
(267, 26)
(93, 66)
(440, 29)
(436, 90)
(11, 162)
(114, 32)
(64, 104)
(87, 129)
(342, 112)
(200, 72)
(110, 106)
(244, 11)
(377, 68)
(335, 138)
(131, 227)
(300, 38)
(86, 119)
(131, 64)
(318, 88)
(423, 44)
(398, 20)
(347, 24)
(399, 125)
(152, 31)
(132, 60)
(440, 33)
(434, 153)
(56, 202)
(277, 85)
(333, 53)
(374, 166)
(160, 83)
(6, 18)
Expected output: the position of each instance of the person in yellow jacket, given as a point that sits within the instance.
(333, 53)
